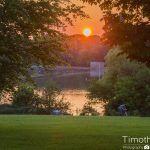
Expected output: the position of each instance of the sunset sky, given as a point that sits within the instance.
(93, 22)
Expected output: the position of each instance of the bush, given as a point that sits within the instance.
(89, 110)
(123, 82)
(26, 101)
(54, 99)
(10, 109)
(25, 96)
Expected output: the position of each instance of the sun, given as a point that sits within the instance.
(87, 32)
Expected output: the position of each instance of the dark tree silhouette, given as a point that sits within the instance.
(127, 23)
(29, 34)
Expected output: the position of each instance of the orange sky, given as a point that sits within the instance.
(93, 23)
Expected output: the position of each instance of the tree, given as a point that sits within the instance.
(24, 100)
(123, 82)
(29, 33)
(89, 110)
(127, 23)
(25, 97)
(54, 99)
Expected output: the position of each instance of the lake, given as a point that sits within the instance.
(74, 87)
(78, 98)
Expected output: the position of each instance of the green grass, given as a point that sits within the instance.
(68, 133)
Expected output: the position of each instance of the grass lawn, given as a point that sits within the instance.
(69, 133)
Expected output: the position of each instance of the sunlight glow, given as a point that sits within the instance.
(87, 32)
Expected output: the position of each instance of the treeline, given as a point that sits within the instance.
(27, 99)
(124, 82)
(82, 50)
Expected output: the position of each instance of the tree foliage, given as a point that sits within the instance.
(88, 110)
(123, 82)
(28, 99)
(127, 23)
(54, 99)
(29, 33)
(25, 96)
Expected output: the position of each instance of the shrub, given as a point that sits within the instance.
(123, 82)
(54, 99)
(25, 96)
(89, 110)
(26, 101)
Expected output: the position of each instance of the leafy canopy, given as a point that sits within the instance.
(127, 23)
(33, 100)
(123, 82)
(29, 33)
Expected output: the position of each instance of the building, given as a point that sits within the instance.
(97, 69)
